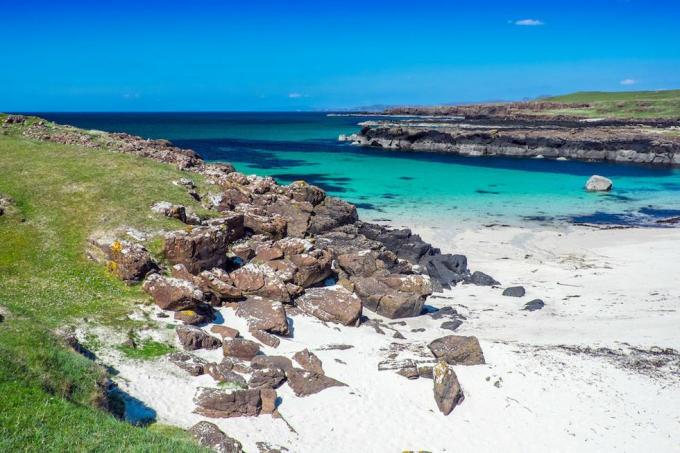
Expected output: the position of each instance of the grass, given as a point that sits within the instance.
(626, 104)
(146, 350)
(63, 194)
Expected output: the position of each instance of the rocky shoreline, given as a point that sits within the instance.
(649, 142)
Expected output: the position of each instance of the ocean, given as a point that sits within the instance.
(391, 184)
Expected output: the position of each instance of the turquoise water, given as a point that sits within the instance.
(388, 184)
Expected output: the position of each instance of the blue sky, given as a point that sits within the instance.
(262, 55)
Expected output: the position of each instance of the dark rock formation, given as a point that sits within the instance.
(210, 436)
(514, 291)
(534, 305)
(240, 348)
(309, 361)
(172, 293)
(190, 363)
(331, 304)
(305, 383)
(482, 279)
(218, 403)
(447, 391)
(193, 338)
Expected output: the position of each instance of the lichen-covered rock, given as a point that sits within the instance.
(312, 267)
(193, 338)
(393, 296)
(309, 361)
(447, 391)
(128, 261)
(267, 378)
(332, 213)
(266, 338)
(331, 304)
(260, 280)
(271, 361)
(240, 348)
(210, 436)
(203, 248)
(225, 331)
(264, 314)
(172, 293)
(190, 363)
(201, 314)
(458, 350)
(218, 403)
(223, 372)
(305, 383)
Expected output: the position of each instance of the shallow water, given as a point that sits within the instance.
(389, 184)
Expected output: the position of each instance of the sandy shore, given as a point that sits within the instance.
(546, 386)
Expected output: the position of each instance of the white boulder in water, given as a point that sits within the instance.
(598, 183)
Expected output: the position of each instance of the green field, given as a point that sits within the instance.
(625, 104)
(61, 195)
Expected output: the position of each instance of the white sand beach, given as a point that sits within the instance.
(546, 387)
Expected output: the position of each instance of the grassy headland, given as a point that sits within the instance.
(627, 104)
(62, 194)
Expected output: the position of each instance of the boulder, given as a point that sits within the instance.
(331, 304)
(302, 192)
(312, 267)
(268, 396)
(394, 296)
(264, 314)
(447, 391)
(305, 383)
(193, 338)
(458, 350)
(452, 325)
(240, 348)
(172, 293)
(267, 378)
(266, 338)
(190, 363)
(296, 214)
(219, 403)
(128, 261)
(597, 183)
(170, 210)
(482, 279)
(359, 264)
(260, 280)
(225, 331)
(332, 213)
(202, 314)
(219, 284)
(534, 305)
(309, 361)
(271, 361)
(210, 436)
(514, 291)
(223, 372)
(202, 248)
(446, 270)
(273, 226)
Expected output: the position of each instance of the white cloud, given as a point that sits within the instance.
(628, 82)
(295, 95)
(528, 22)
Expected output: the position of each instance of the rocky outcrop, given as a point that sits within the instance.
(263, 314)
(172, 293)
(597, 142)
(129, 261)
(240, 348)
(305, 383)
(309, 361)
(458, 350)
(193, 338)
(218, 403)
(210, 436)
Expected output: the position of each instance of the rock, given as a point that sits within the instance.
(271, 361)
(309, 361)
(273, 226)
(332, 213)
(447, 391)
(534, 305)
(447, 270)
(193, 338)
(172, 293)
(514, 291)
(445, 312)
(398, 335)
(263, 314)
(409, 371)
(267, 378)
(331, 304)
(425, 372)
(218, 403)
(393, 296)
(482, 279)
(597, 183)
(225, 331)
(209, 435)
(268, 396)
(458, 350)
(301, 191)
(190, 363)
(241, 348)
(202, 314)
(312, 267)
(361, 264)
(266, 338)
(223, 372)
(305, 383)
(218, 283)
(203, 248)
(128, 261)
(170, 210)
(260, 280)
(451, 325)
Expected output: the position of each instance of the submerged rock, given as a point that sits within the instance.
(447, 391)
(210, 436)
(458, 350)
(597, 183)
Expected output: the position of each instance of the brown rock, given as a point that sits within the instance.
(331, 304)
(263, 314)
(218, 403)
(330, 214)
(458, 350)
(267, 378)
(241, 348)
(266, 338)
(200, 315)
(272, 226)
(266, 253)
(268, 396)
(301, 191)
(223, 372)
(225, 331)
(220, 284)
(271, 361)
(190, 363)
(198, 248)
(393, 296)
(260, 280)
(309, 361)
(447, 391)
(361, 264)
(209, 435)
(193, 338)
(305, 383)
(172, 293)
(312, 267)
